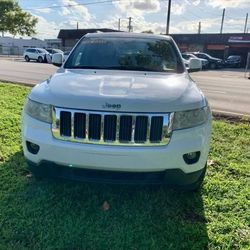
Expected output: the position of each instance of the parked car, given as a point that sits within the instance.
(196, 64)
(53, 51)
(37, 54)
(121, 108)
(193, 64)
(214, 63)
(188, 56)
(233, 61)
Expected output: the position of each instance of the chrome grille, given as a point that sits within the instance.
(112, 128)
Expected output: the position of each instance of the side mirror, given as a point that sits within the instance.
(57, 59)
(194, 65)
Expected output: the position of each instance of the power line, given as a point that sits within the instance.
(73, 5)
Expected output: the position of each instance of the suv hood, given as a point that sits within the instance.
(126, 91)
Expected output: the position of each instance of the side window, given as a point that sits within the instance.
(33, 51)
(28, 50)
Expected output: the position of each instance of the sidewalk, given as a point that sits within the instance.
(11, 58)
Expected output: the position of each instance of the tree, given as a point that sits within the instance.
(14, 20)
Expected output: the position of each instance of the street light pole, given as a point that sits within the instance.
(129, 24)
(168, 17)
(222, 21)
(245, 28)
(119, 24)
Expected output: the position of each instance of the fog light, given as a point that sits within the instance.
(32, 147)
(192, 157)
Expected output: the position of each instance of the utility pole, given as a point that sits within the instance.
(199, 28)
(130, 28)
(245, 28)
(119, 24)
(222, 21)
(77, 25)
(168, 17)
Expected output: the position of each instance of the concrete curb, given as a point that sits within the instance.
(231, 116)
(19, 83)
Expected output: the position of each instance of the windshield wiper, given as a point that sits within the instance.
(85, 67)
(138, 68)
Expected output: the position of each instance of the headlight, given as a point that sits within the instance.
(38, 111)
(191, 118)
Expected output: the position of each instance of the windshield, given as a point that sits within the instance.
(126, 54)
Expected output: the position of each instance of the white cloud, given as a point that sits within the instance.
(228, 3)
(44, 10)
(46, 29)
(74, 10)
(178, 9)
(137, 7)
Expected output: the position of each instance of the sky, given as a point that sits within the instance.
(54, 15)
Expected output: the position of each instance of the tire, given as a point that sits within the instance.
(27, 59)
(212, 66)
(40, 59)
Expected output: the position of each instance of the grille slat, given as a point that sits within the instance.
(125, 133)
(94, 127)
(141, 126)
(65, 123)
(156, 128)
(110, 122)
(79, 125)
(107, 128)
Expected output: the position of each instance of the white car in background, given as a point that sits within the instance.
(37, 54)
(196, 64)
(188, 56)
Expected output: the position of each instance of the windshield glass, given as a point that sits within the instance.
(125, 54)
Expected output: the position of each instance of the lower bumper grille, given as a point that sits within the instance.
(111, 128)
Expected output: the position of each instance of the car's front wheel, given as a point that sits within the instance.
(27, 59)
(40, 59)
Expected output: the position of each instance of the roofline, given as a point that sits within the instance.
(128, 34)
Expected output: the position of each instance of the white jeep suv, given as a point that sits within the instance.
(121, 108)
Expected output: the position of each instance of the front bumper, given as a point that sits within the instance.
(170, 177)
(117, 158)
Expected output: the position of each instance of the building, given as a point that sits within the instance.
(53, 43)
(218, 45)
(16, 46)
(69, 37)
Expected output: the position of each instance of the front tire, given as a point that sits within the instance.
(40, 59)
(27, 59)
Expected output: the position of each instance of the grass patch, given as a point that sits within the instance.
(53, 214)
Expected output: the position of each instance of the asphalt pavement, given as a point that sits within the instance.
(227, 90)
